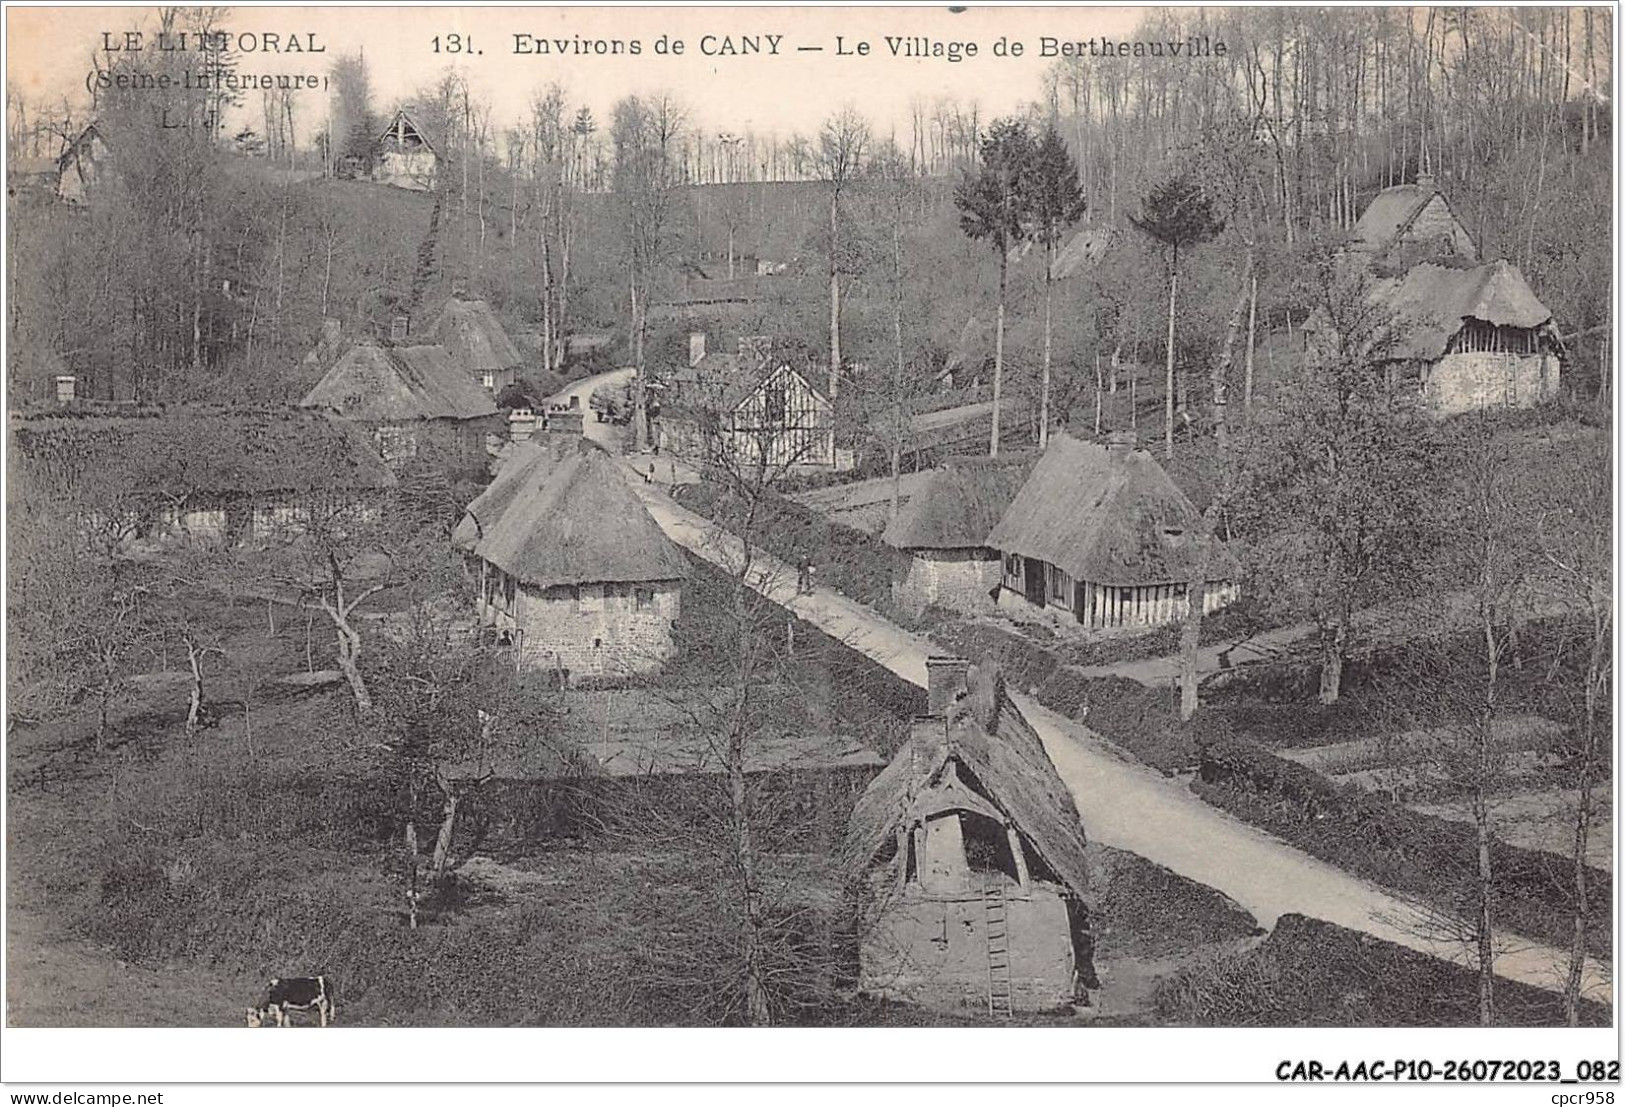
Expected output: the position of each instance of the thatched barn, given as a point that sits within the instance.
(573, 570)
(967, 857)
(474, 337)
(405, 157)
(1103, 537)
(944, 527)
(193, 472)
(415, 402)
(1469, 339)
(1410, 223)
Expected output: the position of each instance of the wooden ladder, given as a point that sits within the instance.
(998, 950)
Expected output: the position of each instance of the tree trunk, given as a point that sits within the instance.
(1486, 937)
(897, 348)
(1099, 400)
(349, 650)
(442, 841)
(194, 707)
(1597, 675)
(1252, 325)
(834, 296)
(1043, 387)
(998, 357)
(1168, 400)
(1333, 639)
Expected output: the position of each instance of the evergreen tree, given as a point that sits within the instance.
(1056, 201)
(993, 209)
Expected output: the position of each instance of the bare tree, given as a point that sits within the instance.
(843, 144)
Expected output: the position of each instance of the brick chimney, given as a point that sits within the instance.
(696, 348)
(1424, 182)
(566, 422)
(1121, 443)
(945, 681)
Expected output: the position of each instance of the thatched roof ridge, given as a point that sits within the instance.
(474, 336)
(579, 523)
(999, 756)
(1433, 302)
(958, 505)
(181, 450)
(527, 465)
(379, 382)
(1115, 519)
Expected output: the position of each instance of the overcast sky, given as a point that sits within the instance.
(50, 52)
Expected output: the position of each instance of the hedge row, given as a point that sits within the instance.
(1392, 845)
(1313, 973)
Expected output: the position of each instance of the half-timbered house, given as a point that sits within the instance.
(943, 528)
(405, 157)
(1101, 537)
(1411, 223)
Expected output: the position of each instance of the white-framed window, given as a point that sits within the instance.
(644, 597)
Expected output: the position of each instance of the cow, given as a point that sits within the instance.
(297, 993)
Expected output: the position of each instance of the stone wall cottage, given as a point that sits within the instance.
(474, 337)
(414, 401)
(1468, 339)
(967, 858)
(1102, 536)
(193, 472)
(1410, 223)
(943, 529)
(573, 570)
(405, 157)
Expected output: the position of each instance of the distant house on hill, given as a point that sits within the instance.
(80, 165)
(748, 409)
(1104, 536)
(573, 570)
(944, 527)
(967, 854)
(197, 472)
(1469, 339)
(405, 157)
(474, 337)
(414, 401)
(1410, 223)
(31, 178)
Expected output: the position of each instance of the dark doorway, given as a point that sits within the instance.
(1033, 580)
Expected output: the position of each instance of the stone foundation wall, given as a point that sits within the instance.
(598, 629)
(933, 950)
(961, 580)
(1459, 383)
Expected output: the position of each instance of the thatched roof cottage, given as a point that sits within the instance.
(1409, 223)
(1472, 338)
(573, 570)
(199, 472)
(415, 402)
(474, 337)
(967, 855)
(944, 527)
(1102, 537)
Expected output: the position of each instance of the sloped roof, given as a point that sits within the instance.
(1432, 302)
(181, 450)
(379, 382)
(91, 133)
(1082, 251)
(403, 115)
(474, 337)
(958, 505)
(577, 523)
(1111, 519)
(1000, 757)
(721, 382)
(528, 464)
